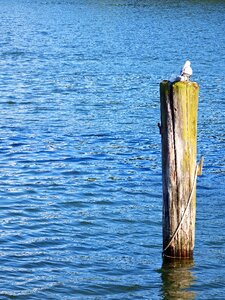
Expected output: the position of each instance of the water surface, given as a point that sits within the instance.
(80, 183)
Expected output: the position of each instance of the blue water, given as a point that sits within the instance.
(80, 180)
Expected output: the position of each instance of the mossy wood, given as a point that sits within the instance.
(179, 106)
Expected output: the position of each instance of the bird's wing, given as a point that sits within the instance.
(183, 69)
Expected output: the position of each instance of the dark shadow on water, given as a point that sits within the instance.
(177, 279)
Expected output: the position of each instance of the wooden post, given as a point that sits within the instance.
(179, 106)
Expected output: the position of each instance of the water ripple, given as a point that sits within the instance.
(80, 183)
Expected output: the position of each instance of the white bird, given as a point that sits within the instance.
(186, 71)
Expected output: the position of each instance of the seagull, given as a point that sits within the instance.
(186, 71)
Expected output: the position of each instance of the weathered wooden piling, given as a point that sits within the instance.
(179, 106)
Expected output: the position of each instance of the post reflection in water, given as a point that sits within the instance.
(177, 278)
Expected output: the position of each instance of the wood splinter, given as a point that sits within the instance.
(200, 166)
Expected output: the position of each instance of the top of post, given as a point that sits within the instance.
(180, 84)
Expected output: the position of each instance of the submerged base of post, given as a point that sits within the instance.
(177, 278)
(179, 105)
